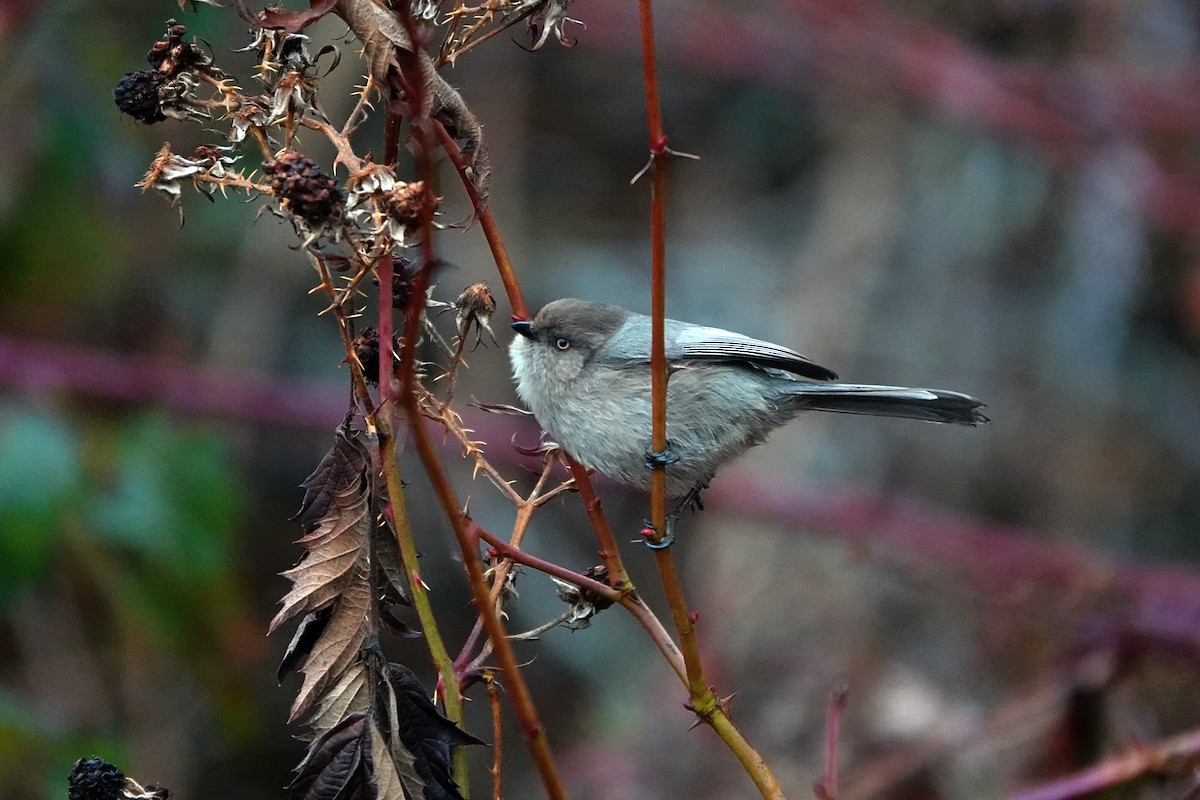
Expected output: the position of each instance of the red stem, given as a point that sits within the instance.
(827, 788)
(1178, 755)
(488, 223)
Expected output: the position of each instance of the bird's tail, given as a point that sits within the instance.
(930, 405)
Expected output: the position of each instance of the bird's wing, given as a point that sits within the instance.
(697, 343)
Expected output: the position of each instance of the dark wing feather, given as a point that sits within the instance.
(696, 343)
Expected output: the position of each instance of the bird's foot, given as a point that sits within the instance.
(691, 500)
(650, 533)
(661, 459)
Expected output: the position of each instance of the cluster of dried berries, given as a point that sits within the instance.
(168, 90)
(306, 193)
(94, 779)
(366, 350)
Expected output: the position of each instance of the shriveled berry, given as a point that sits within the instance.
(304, 190)
(94, 779)
(137, 95)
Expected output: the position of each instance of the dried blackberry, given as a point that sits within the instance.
(94, 779)
(305, 191)
(137, 95)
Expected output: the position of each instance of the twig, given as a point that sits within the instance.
(617, 575)
(704, 702)
(519, 696)
(488, 223)
(397, 503)
(497, 740)
(1175, 755)
(827, 787)
(358, 380)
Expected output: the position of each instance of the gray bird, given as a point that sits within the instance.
(583, 369)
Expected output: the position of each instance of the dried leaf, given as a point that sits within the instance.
(332, 769)
(382, 32)
(422, 731)
(275, 18)
(338, 647)
(331, 585)
(395, 763)
(385, 554)
(350, 695)
(337, 558)
(298, 650)
(339, 469)
(453, 112)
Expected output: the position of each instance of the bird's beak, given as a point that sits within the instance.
(524, 327)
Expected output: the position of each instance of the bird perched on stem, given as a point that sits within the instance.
(583, 369)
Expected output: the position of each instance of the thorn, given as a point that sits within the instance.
(693, 616)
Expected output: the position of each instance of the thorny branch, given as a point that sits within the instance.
(359, 230)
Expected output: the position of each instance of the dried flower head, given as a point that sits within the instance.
(550, 18)
(294, 95)
(475, 307)
(388, 206)
(205, 169)
(169, 89)
(250, 114)
(171, 55)
(309, 196)
(410, 205)
(583, 604)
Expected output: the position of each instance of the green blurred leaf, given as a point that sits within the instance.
(39, 481)
(171, 502)
(171, 497)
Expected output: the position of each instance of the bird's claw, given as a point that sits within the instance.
(649, 532)
(661, 459)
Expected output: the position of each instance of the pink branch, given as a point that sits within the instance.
(138, 379)
(1176, 755)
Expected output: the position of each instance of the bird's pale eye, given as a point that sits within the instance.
(562, 343)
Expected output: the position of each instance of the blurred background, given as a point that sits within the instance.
(999, 197)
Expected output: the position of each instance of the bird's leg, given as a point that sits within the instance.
(660, 459)
(691, 501)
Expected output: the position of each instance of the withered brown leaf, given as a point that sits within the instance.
(332, 768)
(338, 647)
(352, 694)
(339, 469)
(382, 32)
(276, 18)
(331, 585)
(422, 731)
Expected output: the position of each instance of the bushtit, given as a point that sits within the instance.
(584, 370)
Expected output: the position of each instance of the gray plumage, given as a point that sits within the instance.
(583, 369)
